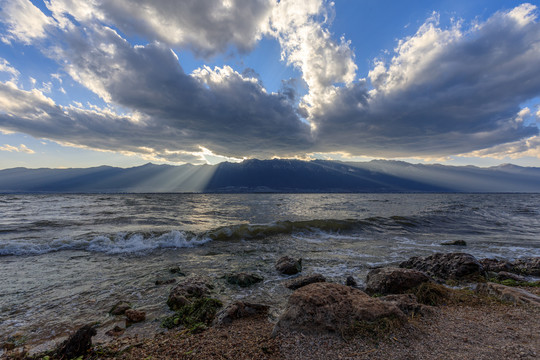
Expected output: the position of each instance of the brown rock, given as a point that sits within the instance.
(304, 280)
(495, 265)
(120, 308)
(289, 266)
(454, 266)
(240, 309)
(326, 307)
(507, 293)
(188, 289)
(135, 316)
(392, 280)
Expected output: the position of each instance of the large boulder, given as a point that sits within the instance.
(455, 266)
(240, 309)
(304, 280)
(333, 308)
(185, 291)
(392, 280)
(509, 294)
(288, 266)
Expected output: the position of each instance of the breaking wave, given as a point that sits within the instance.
(136, 242)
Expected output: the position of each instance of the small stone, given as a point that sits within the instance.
(304, 280)
(455, 243)
(288, 266)
(186, 290)
(115, 332)
(165, 281)
(120, 308)
(243, 279)
(240, 309)
(351, 281)
(135, 316)
(176, 270)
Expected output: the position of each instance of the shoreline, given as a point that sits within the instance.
(490, 327)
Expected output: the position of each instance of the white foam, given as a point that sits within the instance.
(120, 243)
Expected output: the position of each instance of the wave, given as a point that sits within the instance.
(120, 243)
(317, 229)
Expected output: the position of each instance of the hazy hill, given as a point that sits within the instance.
(276, 176)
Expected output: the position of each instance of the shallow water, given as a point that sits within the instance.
(65, 259)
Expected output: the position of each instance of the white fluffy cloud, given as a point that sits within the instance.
(306, 42)
(207, 27)
(25, 22)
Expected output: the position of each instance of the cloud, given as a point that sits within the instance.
(7, 68)
(207, 27)
(25, 22)
(529, 147)
(21, 148)
(306, 43)
(445, 91)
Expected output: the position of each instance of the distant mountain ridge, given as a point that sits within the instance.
(278, 175)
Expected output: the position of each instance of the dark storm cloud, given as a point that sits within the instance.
(444, 92)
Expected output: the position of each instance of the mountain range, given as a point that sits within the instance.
(277, 175)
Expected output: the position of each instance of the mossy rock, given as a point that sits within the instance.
(194, 315)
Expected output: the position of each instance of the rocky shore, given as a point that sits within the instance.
(449, 305)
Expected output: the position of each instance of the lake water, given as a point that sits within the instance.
(66, 259)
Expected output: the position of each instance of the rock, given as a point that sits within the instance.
(408, 303)
(507, 293)
(115, 332)
(455, 266)
(195, 316)
(165, 281)
(120, 308)
(135, 316)
(351, 282)
(503, 275)
(77, 344)
(240, 309)
(304, 280)
(495, 265)
(455, 243)
(325, 307)
(527, 266)
(289, 266)
(176, 270)
(8, 346)
(243, 279)
(186, 290)
(392, 280)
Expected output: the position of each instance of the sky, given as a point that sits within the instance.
(126, 82)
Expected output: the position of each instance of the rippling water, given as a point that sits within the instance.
(65, 259)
